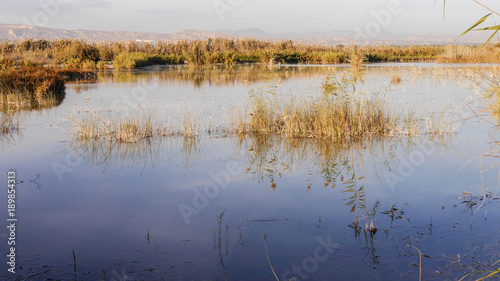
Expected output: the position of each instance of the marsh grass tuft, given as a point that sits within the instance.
(338, 115)
(116, 126)
(396, 80)
(189, 125)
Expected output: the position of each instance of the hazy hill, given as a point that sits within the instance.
(19, 32)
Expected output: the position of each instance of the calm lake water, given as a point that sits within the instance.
(226, 208)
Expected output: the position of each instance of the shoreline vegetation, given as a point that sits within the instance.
(33, 72)
(76, 54)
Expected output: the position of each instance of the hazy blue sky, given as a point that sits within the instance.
(421, 17)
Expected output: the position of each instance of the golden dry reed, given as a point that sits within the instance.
(129, 127)
(117, 126)
(337, 115)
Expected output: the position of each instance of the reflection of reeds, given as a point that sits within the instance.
(146, 152)
(20, 102)
(325, 164)
(215, 75)
(252, 73)
(106, 153)
(271, 156)
(10, 125)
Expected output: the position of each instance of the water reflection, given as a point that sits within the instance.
(106, 153)
(215, 75)
(411, 74)
(144, 154)
(10, 125)
(367, 230)
(80, 87)
(330, 163)
(18, 102)
(119, 209)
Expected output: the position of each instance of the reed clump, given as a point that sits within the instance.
(30, 88)
(336, 115)
(116, 126)
(31, 80)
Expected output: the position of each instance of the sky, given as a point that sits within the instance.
(419, 17)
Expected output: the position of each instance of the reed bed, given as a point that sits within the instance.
(127, 55)
(20, 102)
(138, 59)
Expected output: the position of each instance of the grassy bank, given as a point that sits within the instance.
(128, 55)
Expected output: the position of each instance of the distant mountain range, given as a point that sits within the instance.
(349, 37)
(19, 32)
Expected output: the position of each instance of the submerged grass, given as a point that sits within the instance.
(189, 125)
